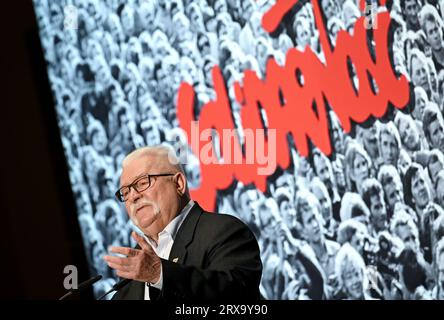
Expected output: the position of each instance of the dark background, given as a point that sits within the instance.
(39, 228)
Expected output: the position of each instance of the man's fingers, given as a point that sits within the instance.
(130, 252)
(140, 241)
(117, 260)
(118, 267)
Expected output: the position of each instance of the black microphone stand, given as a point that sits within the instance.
(81, 286)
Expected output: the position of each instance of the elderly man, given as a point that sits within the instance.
(184, 253)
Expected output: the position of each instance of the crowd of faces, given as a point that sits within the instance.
(366, 222)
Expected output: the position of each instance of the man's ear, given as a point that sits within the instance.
(181, 183)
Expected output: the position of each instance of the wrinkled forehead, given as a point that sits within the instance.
(138, 165)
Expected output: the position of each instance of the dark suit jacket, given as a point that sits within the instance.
(216, 258)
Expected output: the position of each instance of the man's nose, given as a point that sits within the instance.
(134, 195)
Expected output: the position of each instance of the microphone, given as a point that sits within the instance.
(81, 286)
(116, 287)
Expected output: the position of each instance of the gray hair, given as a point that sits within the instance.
(164, 154)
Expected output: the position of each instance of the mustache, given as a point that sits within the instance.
(143, 203)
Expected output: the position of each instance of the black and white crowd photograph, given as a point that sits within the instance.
(363, 223)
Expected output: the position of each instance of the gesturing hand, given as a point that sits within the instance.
(140, 264)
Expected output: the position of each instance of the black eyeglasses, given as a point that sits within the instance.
(140, 184)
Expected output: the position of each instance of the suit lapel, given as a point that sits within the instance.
(185, 235)
(138, 290)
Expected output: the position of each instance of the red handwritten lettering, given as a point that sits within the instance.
(304, 112)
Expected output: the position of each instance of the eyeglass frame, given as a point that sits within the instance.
(132, 184)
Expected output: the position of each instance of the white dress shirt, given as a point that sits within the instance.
(165, 243)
